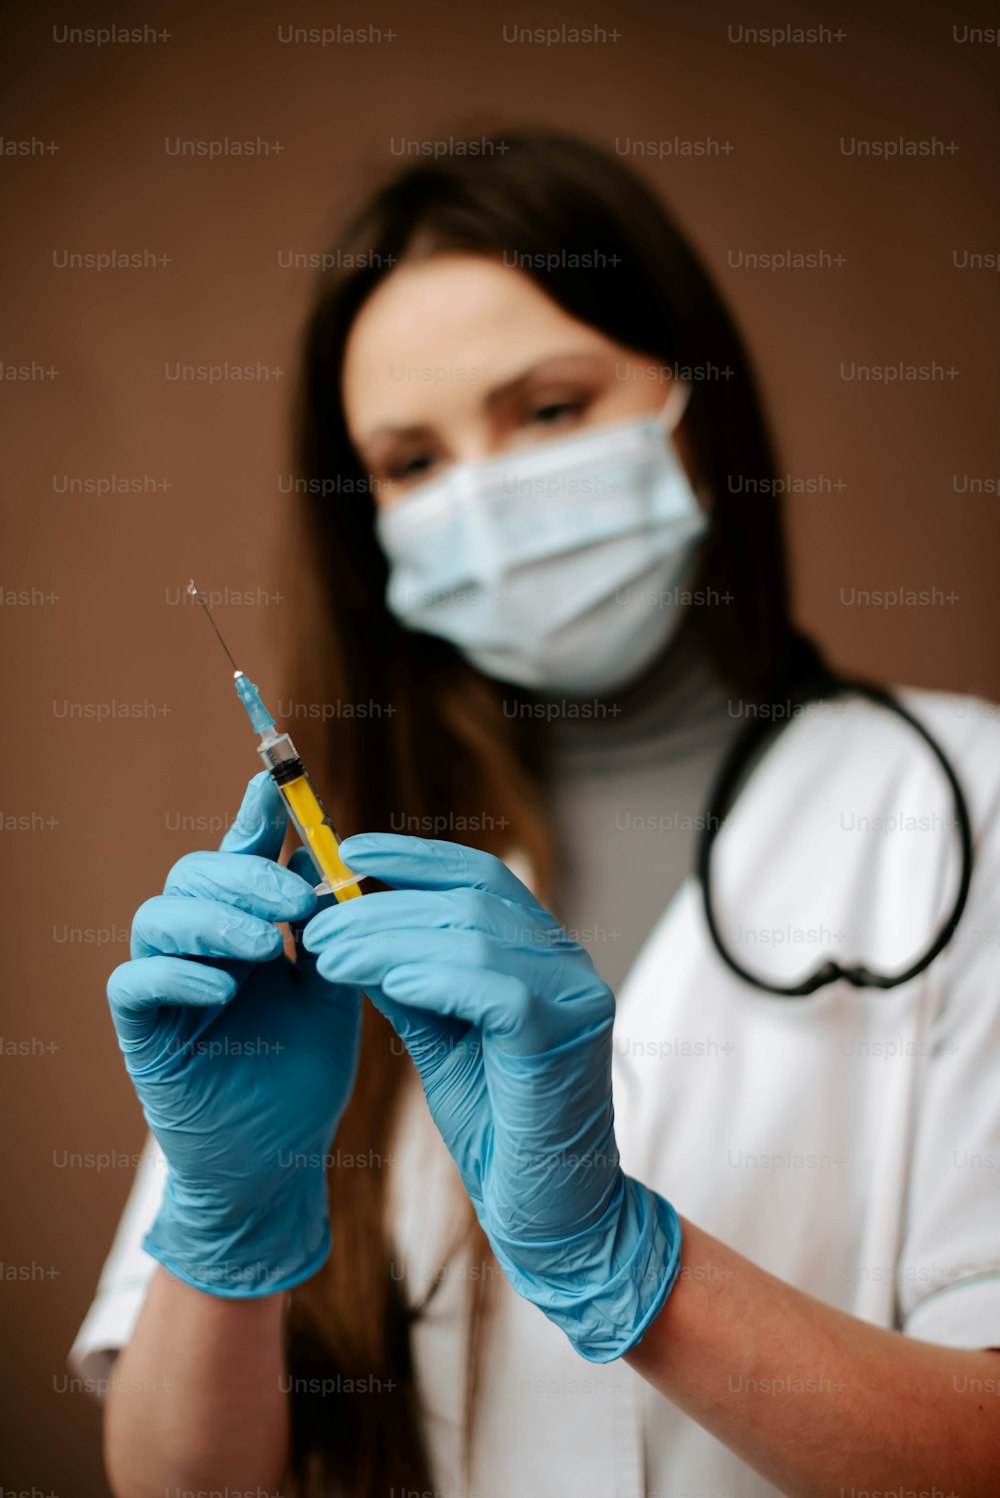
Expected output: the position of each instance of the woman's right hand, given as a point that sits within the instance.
(243, 1061)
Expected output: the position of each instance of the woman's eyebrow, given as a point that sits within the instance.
(387, 430)
(495, 397)
(517, 382)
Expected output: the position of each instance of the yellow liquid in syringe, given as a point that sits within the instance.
(308, 813)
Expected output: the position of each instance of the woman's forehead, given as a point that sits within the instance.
(450, 324)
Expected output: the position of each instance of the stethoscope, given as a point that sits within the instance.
(720, 801)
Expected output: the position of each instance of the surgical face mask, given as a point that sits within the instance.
(555, 567)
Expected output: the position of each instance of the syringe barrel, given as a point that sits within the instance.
(277, 749)
(309, 817)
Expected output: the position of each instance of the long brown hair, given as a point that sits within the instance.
(406, 736)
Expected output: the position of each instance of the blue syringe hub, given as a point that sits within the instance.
(250, 698)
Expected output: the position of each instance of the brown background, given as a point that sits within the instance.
(101, 800)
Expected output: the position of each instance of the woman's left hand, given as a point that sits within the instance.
(510, 1028)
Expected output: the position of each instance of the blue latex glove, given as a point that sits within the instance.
(510, 1028)
(243, 1060)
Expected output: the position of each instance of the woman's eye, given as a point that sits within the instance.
(556, 411)
(409, 468)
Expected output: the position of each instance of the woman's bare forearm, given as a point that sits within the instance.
(196, 1400)
(817, 1401)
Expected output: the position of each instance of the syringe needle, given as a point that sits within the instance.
(281, 759)
(193, 590)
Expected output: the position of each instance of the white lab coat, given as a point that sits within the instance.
(848, 1142)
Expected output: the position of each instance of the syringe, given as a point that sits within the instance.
(306, 810)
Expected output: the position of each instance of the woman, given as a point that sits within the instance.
(543, 612)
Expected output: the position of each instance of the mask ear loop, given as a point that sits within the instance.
(673, 408)
(670, 416)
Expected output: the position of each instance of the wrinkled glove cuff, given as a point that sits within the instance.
(273, 1248)
(631, 1265)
